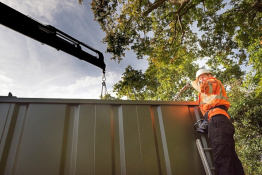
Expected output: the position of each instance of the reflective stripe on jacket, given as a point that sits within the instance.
(212, 94)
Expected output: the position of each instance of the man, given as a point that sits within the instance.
(214, 104)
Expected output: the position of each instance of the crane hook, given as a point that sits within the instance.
(104, 89)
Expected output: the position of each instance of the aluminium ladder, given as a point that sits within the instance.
(204, 151)
(202, 154)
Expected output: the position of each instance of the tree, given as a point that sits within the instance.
(167, 26)
(132, 85)
(147, 35)
(246, 115)
(175, 33)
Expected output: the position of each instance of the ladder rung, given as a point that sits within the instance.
(203, 157)
(207, 149)
(212, 168)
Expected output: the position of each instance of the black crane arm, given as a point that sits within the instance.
(49, 35)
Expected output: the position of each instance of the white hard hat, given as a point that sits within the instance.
(202, 71)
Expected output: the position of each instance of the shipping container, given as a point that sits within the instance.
(100, 137)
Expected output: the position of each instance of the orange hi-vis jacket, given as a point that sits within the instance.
(212, 94)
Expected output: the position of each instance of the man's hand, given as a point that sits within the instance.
(195, 85)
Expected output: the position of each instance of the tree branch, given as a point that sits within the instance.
(193, 5)
(140, 3)
(162, 29)
(181, 26)
(257, 6)
(204, 7)
(180, 8)
(174, 34)
(253, 17)
(175, 28)
(153, 7)
(178, 19)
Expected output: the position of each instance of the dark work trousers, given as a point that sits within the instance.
(221, 131)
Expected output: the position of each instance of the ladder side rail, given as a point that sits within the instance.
(203, 157)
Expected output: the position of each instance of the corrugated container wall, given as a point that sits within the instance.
(75, 137)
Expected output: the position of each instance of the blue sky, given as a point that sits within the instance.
(32, 70)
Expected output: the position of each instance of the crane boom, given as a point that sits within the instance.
(49, 35)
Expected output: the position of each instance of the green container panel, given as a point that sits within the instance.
(75, 137)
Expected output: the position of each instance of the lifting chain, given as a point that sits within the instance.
(104, 89)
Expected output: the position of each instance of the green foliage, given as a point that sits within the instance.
(255, 51)
(246, 113)
(164, 28)
(108, 97)
(157, 83)
(132, 85)
(127, 26)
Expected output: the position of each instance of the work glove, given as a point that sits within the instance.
(195, 85)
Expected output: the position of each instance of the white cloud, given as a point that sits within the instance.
(5, 79)
(36, 9)
(83, 88)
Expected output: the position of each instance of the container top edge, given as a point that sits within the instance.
(4, 99)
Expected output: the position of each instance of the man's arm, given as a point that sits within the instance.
(208, 87)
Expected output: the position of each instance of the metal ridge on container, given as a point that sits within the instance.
(6, 99)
